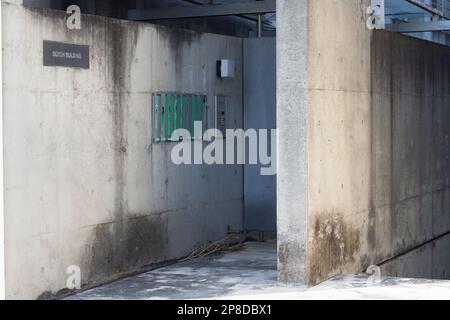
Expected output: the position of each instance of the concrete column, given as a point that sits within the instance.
(2, 221)
(292, 140)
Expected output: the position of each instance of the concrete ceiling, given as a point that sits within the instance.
(245, 25)
(402, 9)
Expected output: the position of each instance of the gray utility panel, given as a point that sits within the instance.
(221, 114)
(259, 113)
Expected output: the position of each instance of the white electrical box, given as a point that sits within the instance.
(226, 68)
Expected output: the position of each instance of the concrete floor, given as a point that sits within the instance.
(252, 274)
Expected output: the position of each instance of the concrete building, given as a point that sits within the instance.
(363, 143)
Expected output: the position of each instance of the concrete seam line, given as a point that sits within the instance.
(414, 248)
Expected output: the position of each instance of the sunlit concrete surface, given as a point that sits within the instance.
(251, 274)
(350, 287)
(247, 272)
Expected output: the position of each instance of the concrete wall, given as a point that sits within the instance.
(418, 89)
(339, 138)
(260, 195)
(377, 147)
(84, 185)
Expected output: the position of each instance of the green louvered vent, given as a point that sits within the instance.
(172, 111)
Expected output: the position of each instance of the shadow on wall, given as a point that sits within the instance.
(408, 177)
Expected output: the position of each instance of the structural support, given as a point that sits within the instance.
(427, 7)
(441, 25)
(292, 123)
(260, 25)
(2, 221)
(213, 10)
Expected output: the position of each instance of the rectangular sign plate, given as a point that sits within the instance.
(58, 54)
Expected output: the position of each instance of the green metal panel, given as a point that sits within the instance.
(175, 113)
(163, 125)
(193, 116)
(172, 111)
(182, 111)
(169, 110)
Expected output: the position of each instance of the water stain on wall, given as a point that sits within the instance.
(291, 265)
(178, 39)
(334, 244)
(127, 246)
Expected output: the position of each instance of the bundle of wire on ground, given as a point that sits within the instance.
(229, 243)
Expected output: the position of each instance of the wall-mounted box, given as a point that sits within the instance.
(226, 68)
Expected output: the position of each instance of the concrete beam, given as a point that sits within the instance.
(442, 25)
(427, 7)
(202, 11)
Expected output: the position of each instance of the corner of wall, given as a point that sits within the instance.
(292, 122)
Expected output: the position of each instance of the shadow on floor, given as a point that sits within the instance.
(251, 274)
(244, 272)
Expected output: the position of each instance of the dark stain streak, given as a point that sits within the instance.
(143, 242)
(287, 264)
(335, 244)
(177, 40)
(124, 245)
